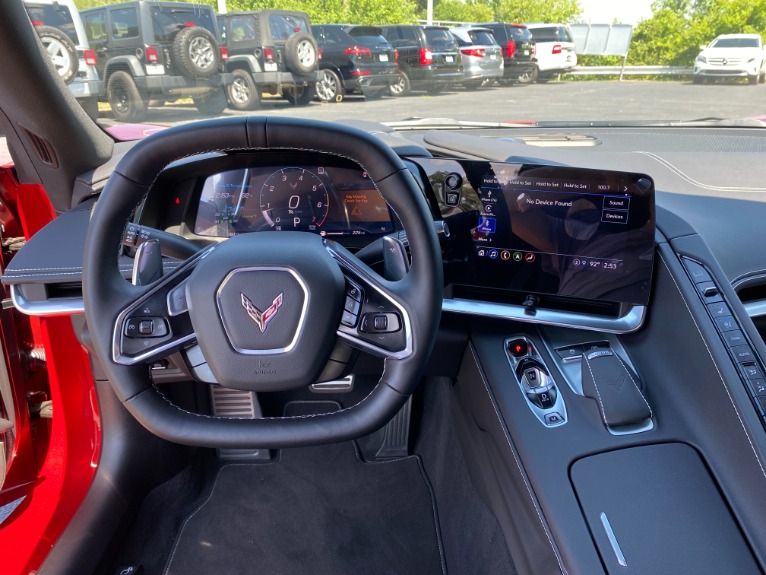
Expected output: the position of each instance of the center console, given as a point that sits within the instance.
(609, 411)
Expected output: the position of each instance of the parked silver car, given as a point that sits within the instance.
(482, 55)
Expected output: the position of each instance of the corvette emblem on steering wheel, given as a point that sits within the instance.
(262, 318)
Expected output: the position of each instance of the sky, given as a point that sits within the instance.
(605, 11)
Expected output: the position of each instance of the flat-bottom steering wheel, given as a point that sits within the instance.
(265, 309)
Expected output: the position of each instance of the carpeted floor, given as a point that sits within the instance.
(318, 510)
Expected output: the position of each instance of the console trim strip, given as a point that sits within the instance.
(613, 540)
(628, 323)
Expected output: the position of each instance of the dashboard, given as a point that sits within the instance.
(519, 229)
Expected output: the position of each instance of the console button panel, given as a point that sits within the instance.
(736, 342)
(535, 381)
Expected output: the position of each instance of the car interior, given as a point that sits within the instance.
(346, 347)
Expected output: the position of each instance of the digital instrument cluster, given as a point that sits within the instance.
(326, 200)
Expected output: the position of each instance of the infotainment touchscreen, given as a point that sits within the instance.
(586, 234)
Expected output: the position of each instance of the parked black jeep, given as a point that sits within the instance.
(269, 51)
(155, 51)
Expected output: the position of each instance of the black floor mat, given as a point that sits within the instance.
(319, 510)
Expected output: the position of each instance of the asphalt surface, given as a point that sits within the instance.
(555, 101)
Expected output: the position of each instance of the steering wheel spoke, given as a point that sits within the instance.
(375, 318)
(157, 322)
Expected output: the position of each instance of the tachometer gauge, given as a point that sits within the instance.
(294, 199)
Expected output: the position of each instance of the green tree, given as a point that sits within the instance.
(459, 11)
(537, 10)
(677, 28)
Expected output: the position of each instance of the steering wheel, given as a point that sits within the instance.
(265, 309)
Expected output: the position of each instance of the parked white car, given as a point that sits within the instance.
(732, 56)
(555, 49)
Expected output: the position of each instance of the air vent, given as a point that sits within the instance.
(557, 140)
(43, 148)
(753, 297)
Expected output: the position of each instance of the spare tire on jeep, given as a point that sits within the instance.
(195, 52)
(61, 50)
(301, 53)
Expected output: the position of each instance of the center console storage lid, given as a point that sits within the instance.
(656, 509)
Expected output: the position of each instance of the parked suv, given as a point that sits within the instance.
(519, 62)
(428, 58)
(482, 56)
(354, 59)
(59, 26)
(732, 56)
(269, 51)
(154, 51)
(555, 50)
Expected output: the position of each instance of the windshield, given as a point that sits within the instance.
(559, 64)
(735, 43)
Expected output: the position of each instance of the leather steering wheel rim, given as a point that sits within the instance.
(106, 294)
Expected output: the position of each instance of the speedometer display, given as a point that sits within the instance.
(327, 200)
(305, 205)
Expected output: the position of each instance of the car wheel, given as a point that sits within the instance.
(211, 104)
(90, 105)
(697, 79)
(243, 92)
(530, 76)
(299, 95)
(473, 84)
(196, 53)
(762, 77)
(301, 53)
(61, 50)
(328, 86)
(400, 86)
(124, 98)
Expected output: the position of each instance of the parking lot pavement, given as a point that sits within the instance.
(554, 101)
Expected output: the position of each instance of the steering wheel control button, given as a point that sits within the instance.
(349, 319)
(145, 327)
(381, 323)
(354, 292)
(352, 306)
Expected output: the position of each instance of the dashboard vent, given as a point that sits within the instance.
(43, 148)
(556, 140)
(753, 297)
